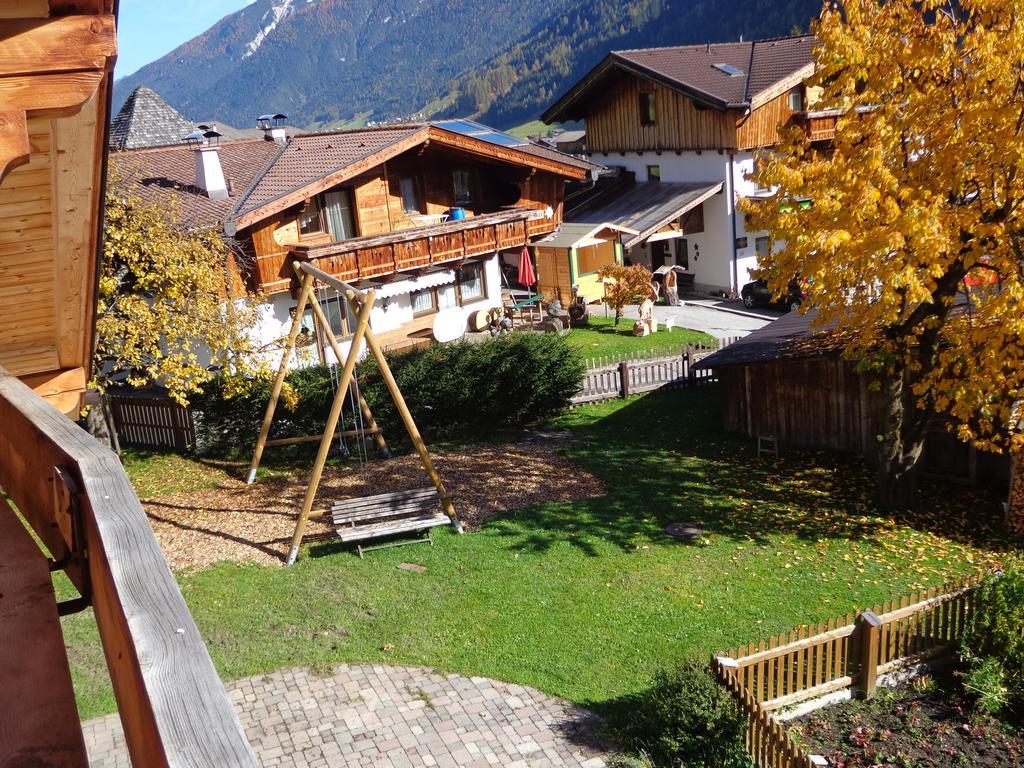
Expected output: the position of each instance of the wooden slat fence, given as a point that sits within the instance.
(152, 421)
(615, 376)
(846, 653)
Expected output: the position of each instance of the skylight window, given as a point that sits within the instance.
(729, 69)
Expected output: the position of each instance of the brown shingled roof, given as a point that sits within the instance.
(313, 156)
(691, 69)
(166, 176)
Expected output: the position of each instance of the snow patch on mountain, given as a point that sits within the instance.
(278, 11)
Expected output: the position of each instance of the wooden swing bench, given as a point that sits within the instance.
(389, 514)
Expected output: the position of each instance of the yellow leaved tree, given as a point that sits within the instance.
(914, 238)
(624, 285)
(171, 309)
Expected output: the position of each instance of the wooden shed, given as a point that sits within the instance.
(573, 255)
(791, 383)
(56, 66)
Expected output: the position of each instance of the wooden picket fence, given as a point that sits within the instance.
(623, 375)
(843, 656)
(144, 420)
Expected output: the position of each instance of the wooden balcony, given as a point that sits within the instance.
(366, 257)
(819, 126)
(76, 497)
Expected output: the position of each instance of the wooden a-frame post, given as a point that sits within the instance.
(275, 392)
(364, 300)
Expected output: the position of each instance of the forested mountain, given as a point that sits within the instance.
(324, 61)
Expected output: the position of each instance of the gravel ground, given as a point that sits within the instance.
(255, 523)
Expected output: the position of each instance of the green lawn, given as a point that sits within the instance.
(587, 600)
(602, 337)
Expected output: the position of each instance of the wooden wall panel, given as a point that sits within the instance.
(28, 307)
(761, 127)
(613, 120)
(370, 198)
(553, 276)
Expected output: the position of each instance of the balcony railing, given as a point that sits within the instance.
(819, 125)
(375, 256)
(76, 497)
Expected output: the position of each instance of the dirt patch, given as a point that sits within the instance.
(255, 523)
(920, 726)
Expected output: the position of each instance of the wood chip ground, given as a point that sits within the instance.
(255, 523)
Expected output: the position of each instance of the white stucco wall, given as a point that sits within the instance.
(710, 251)
(388, 314)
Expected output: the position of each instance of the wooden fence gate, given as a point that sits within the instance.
(623, 375)
(149, 420)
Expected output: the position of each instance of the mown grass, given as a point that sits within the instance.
(586, 600)
(602, 337)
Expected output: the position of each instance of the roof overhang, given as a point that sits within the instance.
(559, 111)
(427, 134)
(651, 232)
(570, 235)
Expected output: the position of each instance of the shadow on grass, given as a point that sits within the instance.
(665, 459)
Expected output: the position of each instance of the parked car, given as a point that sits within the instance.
(758, 294)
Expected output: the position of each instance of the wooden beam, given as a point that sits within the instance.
(15, 147)
(63, 389)
(49, 95)
(24, 9)
(61, 44)
(77, 152)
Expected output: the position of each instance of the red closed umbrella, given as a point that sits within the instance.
(527, 276)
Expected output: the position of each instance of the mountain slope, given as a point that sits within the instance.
(322, 61)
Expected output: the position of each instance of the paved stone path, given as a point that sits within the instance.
(392, 717)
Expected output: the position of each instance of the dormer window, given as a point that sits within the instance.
(796, 100)
(311, 218)
(648, 111)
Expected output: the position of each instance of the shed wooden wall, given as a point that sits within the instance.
(554, 279)
(825, 403)
(613, 120)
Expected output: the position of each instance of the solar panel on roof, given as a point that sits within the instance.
(482, 132)
(729, 69)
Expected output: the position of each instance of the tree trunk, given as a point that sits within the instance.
(903, 428)
(618, 316)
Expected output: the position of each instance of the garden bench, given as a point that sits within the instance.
(387, 515)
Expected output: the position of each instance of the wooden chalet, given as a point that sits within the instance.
(790, 382)
(698, 115)
(56, 62)
(419, 211)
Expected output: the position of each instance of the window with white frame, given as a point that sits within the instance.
(422, 302)
(471, 282)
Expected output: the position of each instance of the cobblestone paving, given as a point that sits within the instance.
(392, 717)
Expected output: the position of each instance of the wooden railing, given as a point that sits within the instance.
(366, 257)
(819, 126)
(615, 376)
(842, 657)
(78, 500)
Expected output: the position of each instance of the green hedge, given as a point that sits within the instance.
(685, 719)
(454, 391)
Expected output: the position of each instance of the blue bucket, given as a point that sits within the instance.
(458, 214)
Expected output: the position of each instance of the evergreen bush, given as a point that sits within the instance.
(454, 391)
(684, 720)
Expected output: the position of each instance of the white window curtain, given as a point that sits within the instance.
(340, 221)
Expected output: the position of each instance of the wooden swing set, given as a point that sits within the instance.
(384, 515)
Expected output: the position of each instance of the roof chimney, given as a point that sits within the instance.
(273, 127)
(209, 174)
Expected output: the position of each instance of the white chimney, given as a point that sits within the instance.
(209, 174)
(273, 127)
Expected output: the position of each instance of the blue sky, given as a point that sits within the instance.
(151, 28)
